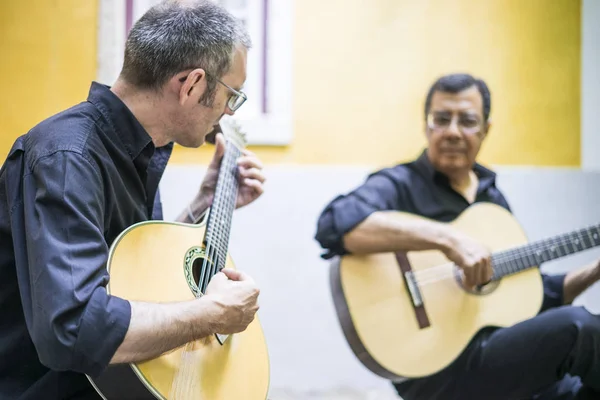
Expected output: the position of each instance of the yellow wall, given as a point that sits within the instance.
(361, 71)
(48, 57)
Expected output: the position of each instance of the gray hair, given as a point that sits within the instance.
(172, 37)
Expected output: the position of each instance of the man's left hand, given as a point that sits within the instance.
(251, 178)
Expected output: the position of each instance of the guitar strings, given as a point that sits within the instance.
(214, 250)
(185, 382)
(510, 256)
(228, 186)
(445, 271)
(424, 279)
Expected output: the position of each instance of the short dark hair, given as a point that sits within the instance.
(455, 83)
(172, 37)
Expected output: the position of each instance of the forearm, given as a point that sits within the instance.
(392, 231)
(576, 282)
(157, 328)
(193, 213)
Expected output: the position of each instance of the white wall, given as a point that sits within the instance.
(590, 85)
(272, 239)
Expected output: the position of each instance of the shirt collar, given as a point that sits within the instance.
(129, 130)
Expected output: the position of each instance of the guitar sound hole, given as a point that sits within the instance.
(478, 290)
(198, 266)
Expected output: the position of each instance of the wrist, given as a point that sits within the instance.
(210, 314)
(597, 271)
(196, 209)
(447, 239)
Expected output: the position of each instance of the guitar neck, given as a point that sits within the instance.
(218, 226)
(533, 254)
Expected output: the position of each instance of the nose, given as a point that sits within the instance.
(453, 129)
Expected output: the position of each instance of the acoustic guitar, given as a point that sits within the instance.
(159, 261)
(407, 315)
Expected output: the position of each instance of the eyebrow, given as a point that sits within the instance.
(463, 112)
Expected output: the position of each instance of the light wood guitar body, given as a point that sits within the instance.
(206, 370)
(378, 312)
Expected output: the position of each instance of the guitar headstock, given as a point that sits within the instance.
(232, 130)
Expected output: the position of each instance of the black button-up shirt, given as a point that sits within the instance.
(416, 188)
(68, 188)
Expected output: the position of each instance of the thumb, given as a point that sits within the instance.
(219, 149)
(234, 275)
(218, 277)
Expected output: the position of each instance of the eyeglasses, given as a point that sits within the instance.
(236, 99)
(468, 124)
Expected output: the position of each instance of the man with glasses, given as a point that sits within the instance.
(73, 183)
(555, 355)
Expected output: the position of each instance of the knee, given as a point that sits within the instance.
(582, 321)
(584, 338)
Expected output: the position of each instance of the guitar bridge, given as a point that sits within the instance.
(413, 289)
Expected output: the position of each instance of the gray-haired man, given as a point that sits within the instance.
(79, 178)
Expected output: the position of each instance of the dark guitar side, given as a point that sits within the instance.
(120, 382)
(345, 320)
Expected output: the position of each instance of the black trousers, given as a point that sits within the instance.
(555, 355)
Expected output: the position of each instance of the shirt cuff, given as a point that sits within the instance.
(553, 291)
(103, 328)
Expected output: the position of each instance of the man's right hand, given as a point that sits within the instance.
(235, 296)
(472, 257)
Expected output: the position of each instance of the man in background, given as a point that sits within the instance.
(555, 355)
(78, 179)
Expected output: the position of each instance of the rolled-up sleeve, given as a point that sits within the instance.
(553, 291)
(345, 212)
(74, 324)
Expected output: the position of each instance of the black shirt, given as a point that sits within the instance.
(417, 188)
(68, 188)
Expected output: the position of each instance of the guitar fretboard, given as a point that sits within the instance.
(218, 226)
(533, 254)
